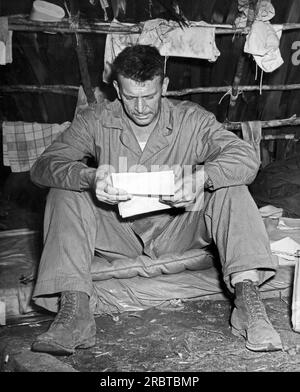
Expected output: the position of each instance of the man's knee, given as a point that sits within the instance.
(238, 193)
(234, 199)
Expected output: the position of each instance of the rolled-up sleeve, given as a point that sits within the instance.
(228, 160)
(61, 163)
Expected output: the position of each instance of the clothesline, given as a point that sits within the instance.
(23, 23)
(293, 121)
(221, 89)
(73, 90)
(55, 89)
(236, 125)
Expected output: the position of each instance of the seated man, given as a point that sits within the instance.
(144, 129)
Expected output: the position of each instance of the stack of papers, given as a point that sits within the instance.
(288, 224)
(286, 250)
(146, 189)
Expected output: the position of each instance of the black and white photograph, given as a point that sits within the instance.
(149, 190)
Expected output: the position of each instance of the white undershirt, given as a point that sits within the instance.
(142, 145)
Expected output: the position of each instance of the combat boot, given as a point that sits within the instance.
(249, 319)
(73, 327)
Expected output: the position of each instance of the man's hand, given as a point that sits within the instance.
(189, 190)
(105, 192)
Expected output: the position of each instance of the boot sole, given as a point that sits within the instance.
(57, 349)
(255, 347)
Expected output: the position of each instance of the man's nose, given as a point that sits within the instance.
(140, 105)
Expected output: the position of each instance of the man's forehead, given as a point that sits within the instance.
(132, 85)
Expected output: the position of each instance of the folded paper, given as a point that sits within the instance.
(147, 183)
(140, 205)
(146, 188)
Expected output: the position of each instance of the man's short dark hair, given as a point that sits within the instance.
(139, 63)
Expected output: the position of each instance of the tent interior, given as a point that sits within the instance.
(49, 70)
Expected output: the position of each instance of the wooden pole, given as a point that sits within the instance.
(73, 90)
(82, 59)
(55, 89)
(223, 89)
(241, 63)
(292, 121)
(83, 66)
(22, 22)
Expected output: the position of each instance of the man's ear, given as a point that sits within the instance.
(116, 86)
(165, 85)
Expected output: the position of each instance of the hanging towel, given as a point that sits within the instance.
(114, 45)
(24, 142)
(263, 39)
(195, 41)
(5, 42)
(251, 131)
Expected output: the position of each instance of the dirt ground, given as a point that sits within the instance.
(196, 337)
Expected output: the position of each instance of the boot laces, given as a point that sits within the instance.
(68, 308)
(254, 302)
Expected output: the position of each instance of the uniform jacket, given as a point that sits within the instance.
(186, 134)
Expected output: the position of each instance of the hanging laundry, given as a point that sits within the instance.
(114, 44)
(5, 42)
(263, 43)
(195, 41)
(24, 142)
(264, 38)
(154, 32)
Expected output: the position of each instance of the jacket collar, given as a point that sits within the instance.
(158, 139)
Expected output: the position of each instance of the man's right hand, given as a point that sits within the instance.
(105, 192)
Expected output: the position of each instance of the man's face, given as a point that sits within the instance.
(141, 100)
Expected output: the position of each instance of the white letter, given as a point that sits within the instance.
(295, 59)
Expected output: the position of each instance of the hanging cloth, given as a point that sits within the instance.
(195, 41)
(5, 42)
(263, 43)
